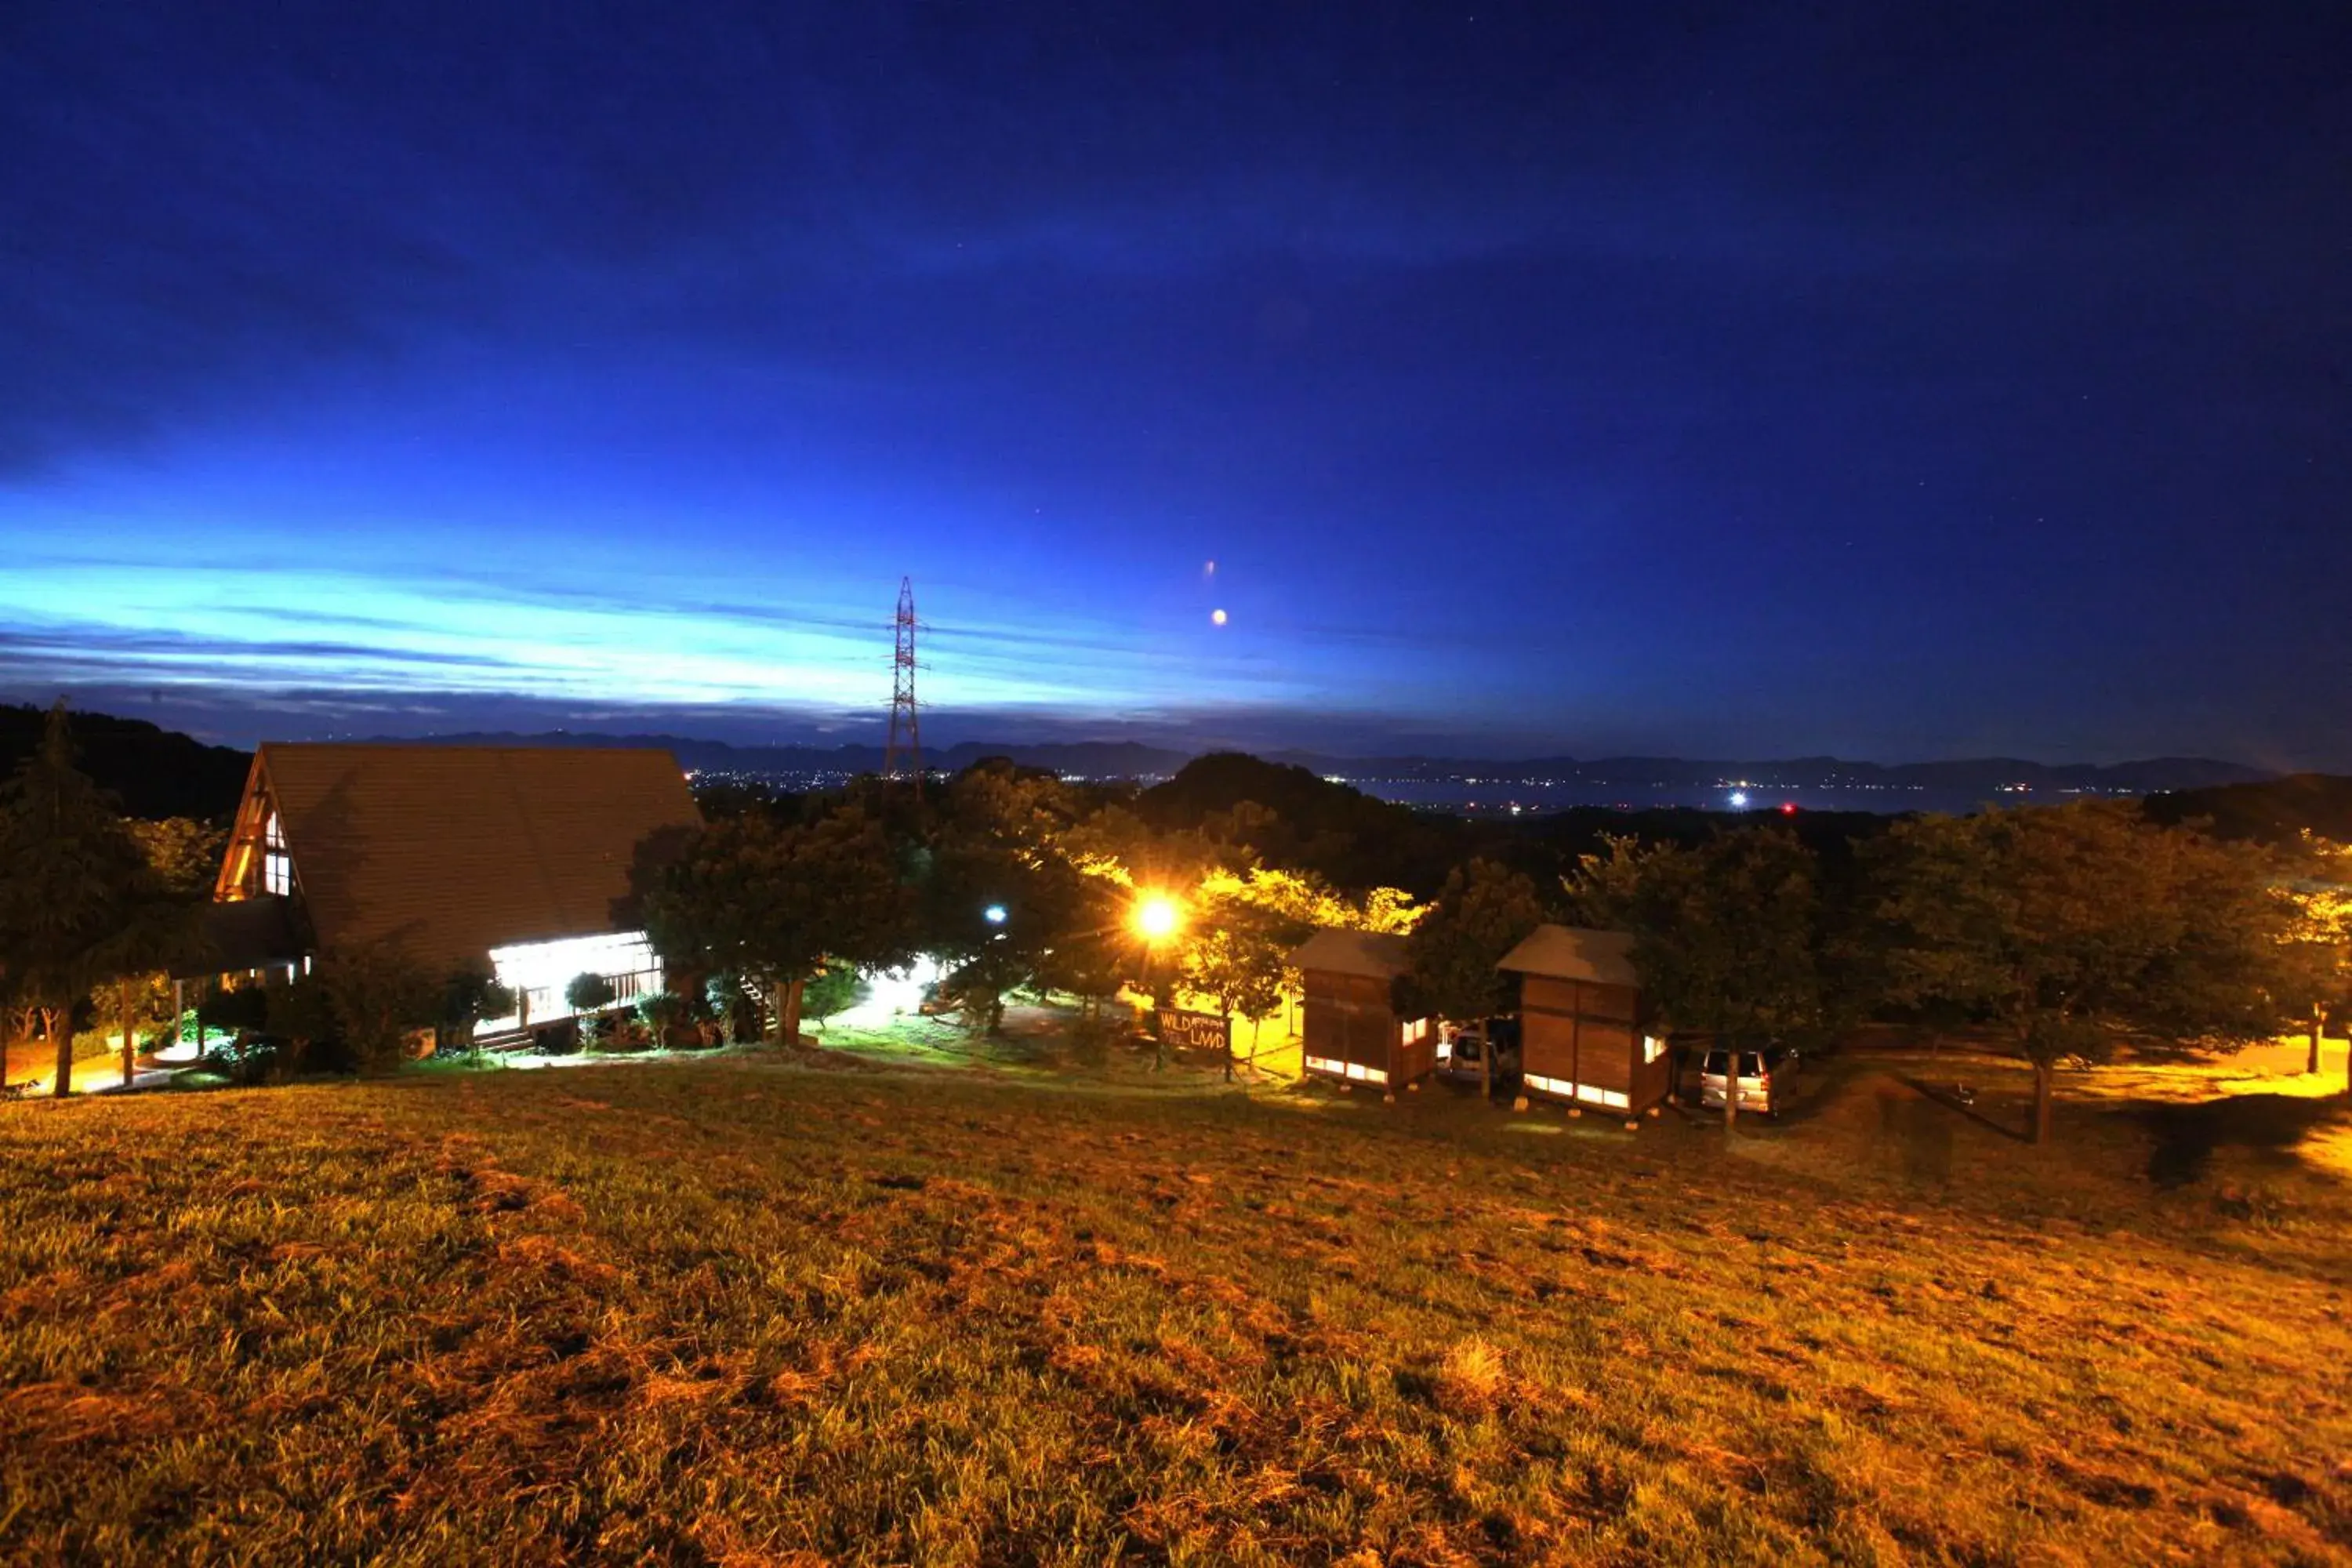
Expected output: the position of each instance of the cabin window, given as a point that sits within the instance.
(277, 865)
(1413, 1033)
(1652, 1047)
(1585, 1092)
(1355, 1070)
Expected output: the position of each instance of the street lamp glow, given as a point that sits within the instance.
(994, 914)
(1156, 916)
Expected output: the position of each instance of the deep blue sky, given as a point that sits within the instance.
(1893, 380)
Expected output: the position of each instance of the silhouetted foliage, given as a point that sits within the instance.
(151, 772)
(79, 904)
(2275, 811)
(1482, 912)
(1725, 932)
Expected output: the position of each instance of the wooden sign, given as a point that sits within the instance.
(1199, 1031)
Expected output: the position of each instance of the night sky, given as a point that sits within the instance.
(1891, 380)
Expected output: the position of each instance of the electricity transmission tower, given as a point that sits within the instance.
(906, 728)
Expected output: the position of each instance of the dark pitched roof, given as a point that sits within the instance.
(1378, 954)
(449, 851)
(1575, 952)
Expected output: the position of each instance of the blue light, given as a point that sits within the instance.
(1739, 800)
(994, 914)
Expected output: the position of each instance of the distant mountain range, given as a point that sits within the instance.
(1128, 759)
(161, 772)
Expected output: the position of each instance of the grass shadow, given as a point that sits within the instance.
(2187, 1135)
(1943, 1095)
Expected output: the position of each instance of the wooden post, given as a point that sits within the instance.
(130, 1032)
(1730, 1088)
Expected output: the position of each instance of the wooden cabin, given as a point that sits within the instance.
(1352, 1032)
(523, 862)
(1582, 1033)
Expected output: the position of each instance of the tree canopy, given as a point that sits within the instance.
(2065, 927)
(77, 891)
(1725, 931)
(771, 902)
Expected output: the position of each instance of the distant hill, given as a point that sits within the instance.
(154, 773)
(2274, 811)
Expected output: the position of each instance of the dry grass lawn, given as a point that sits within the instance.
(742, 1310)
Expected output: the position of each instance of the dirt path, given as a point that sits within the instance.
(34, 1063)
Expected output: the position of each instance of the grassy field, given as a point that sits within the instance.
(854, 1308)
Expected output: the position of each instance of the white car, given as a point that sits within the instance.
(1767, 1079)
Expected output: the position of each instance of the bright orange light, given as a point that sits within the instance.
(1158, 916)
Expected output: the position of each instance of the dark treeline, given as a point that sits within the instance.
(150, 773)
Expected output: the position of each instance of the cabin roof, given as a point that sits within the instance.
(449, 851)
(1575, 952)
(1378, 954)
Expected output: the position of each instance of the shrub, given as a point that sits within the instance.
(666, 1015)
(587, 993)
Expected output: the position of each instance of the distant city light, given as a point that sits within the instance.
(1739, 800)
(994, 914)
(1788, 808)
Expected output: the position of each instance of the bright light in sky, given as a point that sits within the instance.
(1739, 800)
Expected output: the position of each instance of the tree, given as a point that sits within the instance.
(1238, 955)
(297, 1013)
(2066, 926)
(835, 988)
(72, 879)
(1000, 891)
(2318, 955)
(377, 995)
(1483, 912)
(1723, 934)
(588, 995)
(588, 992)
(772, 902)
(162, 924)
(469, 995)
(1096, 951)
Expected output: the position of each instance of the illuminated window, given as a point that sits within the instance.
(1355, 1070)
(277, 865)
(1582, 1091)
(1652, 1047)
(1415, 1032)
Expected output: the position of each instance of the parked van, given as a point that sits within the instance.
(1767, 1079)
